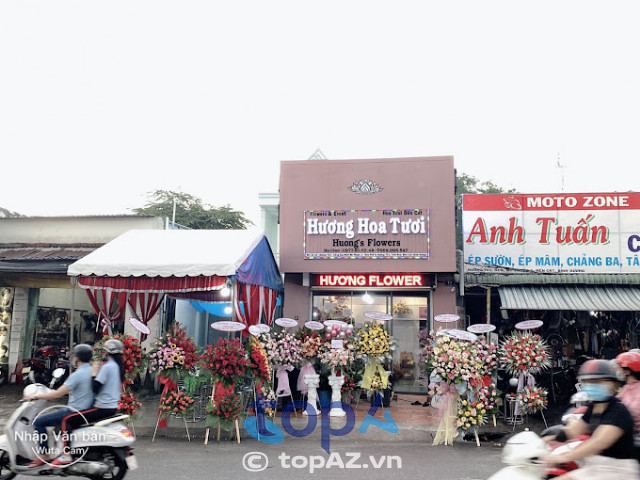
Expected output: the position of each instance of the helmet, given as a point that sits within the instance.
(597, 369)
(630, 360)
(113, 346)
(523, 447)
(83, 351)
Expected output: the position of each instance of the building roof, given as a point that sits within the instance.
(41, 258)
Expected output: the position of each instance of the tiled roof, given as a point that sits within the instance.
(44, 253)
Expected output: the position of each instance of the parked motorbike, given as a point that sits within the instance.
(99, 450)
(524, 453)
(39, 368)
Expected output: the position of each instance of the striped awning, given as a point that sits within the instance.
(570, 297)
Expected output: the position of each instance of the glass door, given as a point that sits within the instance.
(410, 314)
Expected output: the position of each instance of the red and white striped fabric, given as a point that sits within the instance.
(268, 299)
(148, 303)
(104, 304)
(249, 295)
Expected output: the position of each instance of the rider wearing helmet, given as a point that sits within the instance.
(629, 363)
(106, 385)
(81, 397)
(609, 452)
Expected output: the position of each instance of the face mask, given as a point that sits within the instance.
(596, 392)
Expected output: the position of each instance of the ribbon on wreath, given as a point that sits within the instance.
(169, 385)
(219, 390)
(282, 374)
(447, 411)
(307, 369)
(370, 371)
(524, 377)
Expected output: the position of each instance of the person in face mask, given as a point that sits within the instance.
(629, 364)
(609, 452)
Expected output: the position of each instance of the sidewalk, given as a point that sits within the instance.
(416, 423)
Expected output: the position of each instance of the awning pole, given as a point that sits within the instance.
(72, 317)
(489, 305)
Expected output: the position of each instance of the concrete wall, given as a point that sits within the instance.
(72, 230)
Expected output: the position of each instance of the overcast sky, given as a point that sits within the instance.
(102, 102)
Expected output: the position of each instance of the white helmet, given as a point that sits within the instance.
(523, 447)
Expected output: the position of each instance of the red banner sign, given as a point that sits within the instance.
(371, 280)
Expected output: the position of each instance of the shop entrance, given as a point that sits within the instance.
(410, 315)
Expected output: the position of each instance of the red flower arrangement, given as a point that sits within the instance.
(258, 361)
(176, 403)
(128, 404)
(133, 356)
(524, 352)
(226, 360)
(224, 412)
(533, 399)
(347, 387)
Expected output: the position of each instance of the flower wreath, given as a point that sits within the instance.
(533, 399)
(524, 352)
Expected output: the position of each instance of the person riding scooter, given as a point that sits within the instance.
(629, 363)
(609, 452)
(81, 396)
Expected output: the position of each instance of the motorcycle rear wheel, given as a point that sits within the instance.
(118, 467)
(5, 466)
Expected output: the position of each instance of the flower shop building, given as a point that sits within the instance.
(373, 236)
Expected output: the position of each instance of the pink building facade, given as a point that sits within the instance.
(374, 235)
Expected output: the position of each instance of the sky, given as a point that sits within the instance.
(104, 102)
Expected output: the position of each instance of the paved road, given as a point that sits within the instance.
(170, 458)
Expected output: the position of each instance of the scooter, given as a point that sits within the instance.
(99, 450)
(39, 368)
(524, 453)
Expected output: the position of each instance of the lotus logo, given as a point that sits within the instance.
(365, 187)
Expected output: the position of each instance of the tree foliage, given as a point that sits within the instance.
(470, 184)
(192, 213)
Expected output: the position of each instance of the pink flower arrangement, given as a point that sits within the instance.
(337, 359)
(282, 348)
(458, 361)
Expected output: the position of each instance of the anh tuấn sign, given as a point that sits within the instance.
(552, 233)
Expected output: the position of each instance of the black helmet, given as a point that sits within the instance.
(83, 351)
(597, 369)
(113, 346)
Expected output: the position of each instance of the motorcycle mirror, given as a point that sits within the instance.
(57, 373)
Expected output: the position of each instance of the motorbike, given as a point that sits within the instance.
(524, 453)
(99, 450)
(39, 368)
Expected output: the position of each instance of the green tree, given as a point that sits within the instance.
(469, 184)
(192, 213)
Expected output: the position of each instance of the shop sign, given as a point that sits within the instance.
(370, 280)
(366, 234)
(554, 233)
